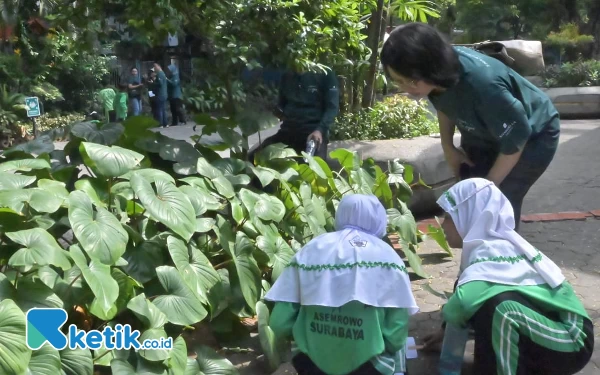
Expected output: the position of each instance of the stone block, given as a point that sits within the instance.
(576, 102)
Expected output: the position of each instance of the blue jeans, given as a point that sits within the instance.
(136, 106)
(161, 112)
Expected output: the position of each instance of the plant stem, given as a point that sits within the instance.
(75, 279)
(103, 354)
(220, 265)
(110, 183)
(16, 278)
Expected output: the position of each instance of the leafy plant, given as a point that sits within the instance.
(142, 229)
(12, 109)
(395, 117)
(576, 74)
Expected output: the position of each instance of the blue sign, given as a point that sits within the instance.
(33, 107)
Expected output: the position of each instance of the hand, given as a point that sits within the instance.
(433, 341)
(317, 136)
(455, 157)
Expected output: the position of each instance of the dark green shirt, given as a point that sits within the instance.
(309, 101)
(161, 90)
(494, 107)
(137, 92)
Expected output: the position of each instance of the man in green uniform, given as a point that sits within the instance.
(161, 92)
(509, 127)
(308, 105)
(175, 96)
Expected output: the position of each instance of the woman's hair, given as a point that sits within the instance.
(420, 52)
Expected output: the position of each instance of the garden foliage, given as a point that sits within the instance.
(128, 226)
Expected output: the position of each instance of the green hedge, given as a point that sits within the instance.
(396, 117)
(573, 74)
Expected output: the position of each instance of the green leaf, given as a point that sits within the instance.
(232, 170)
(10, 181)
(413, 259)
(30, 293)
(44, 361)
(112, 161)
(264, 206)
(127, 287)
(279, 252)
(245, 275)
(40, 249)
(349, 160)
(316, 167)
(396, 177)
(40, 145)
(268, 340)
(100, 233)
(275, 151)
(403, 221)
(264, 174)
(149, 174)
(200, 197)
(222, 185)
(55, 188)
(311, 211)
(208, 362)
(204, 224)
(194, 267)
(95, 188)
(143, 260)
(147, 312)
(154, 355)
(14, 353)
(178, 358)
(107, 134)
(25, 165)
(437, 233)
(76, 362)
(167, 205)
(144, 367)
(20, 199)
(180, 305)
(362, 181)
(100, 281)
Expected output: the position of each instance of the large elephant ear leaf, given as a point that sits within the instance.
(100, 233)
(268, 340)
(167, 205)
(195, 268)
(181, 305)
(111, 161)
(209, 362)
(100, 281)
(44, 361)
(14, 353)
(106, 134)
(10, 181)
(76, 362)
(40, 249)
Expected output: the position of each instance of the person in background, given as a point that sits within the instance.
(160, 89)
(120, 102)
(106, 98)
(526, 317)
(151, 94)
(135, 92)
(509, 128)
(175, 96)
(345, 297)
(308, 104)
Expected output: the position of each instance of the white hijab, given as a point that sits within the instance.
(492, 250)
(351, 264)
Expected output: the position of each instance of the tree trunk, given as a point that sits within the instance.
(374, 37)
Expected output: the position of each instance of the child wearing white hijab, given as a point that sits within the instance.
(525, 315)
(345, 298)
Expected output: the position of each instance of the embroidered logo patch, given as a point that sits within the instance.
(358, 242)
